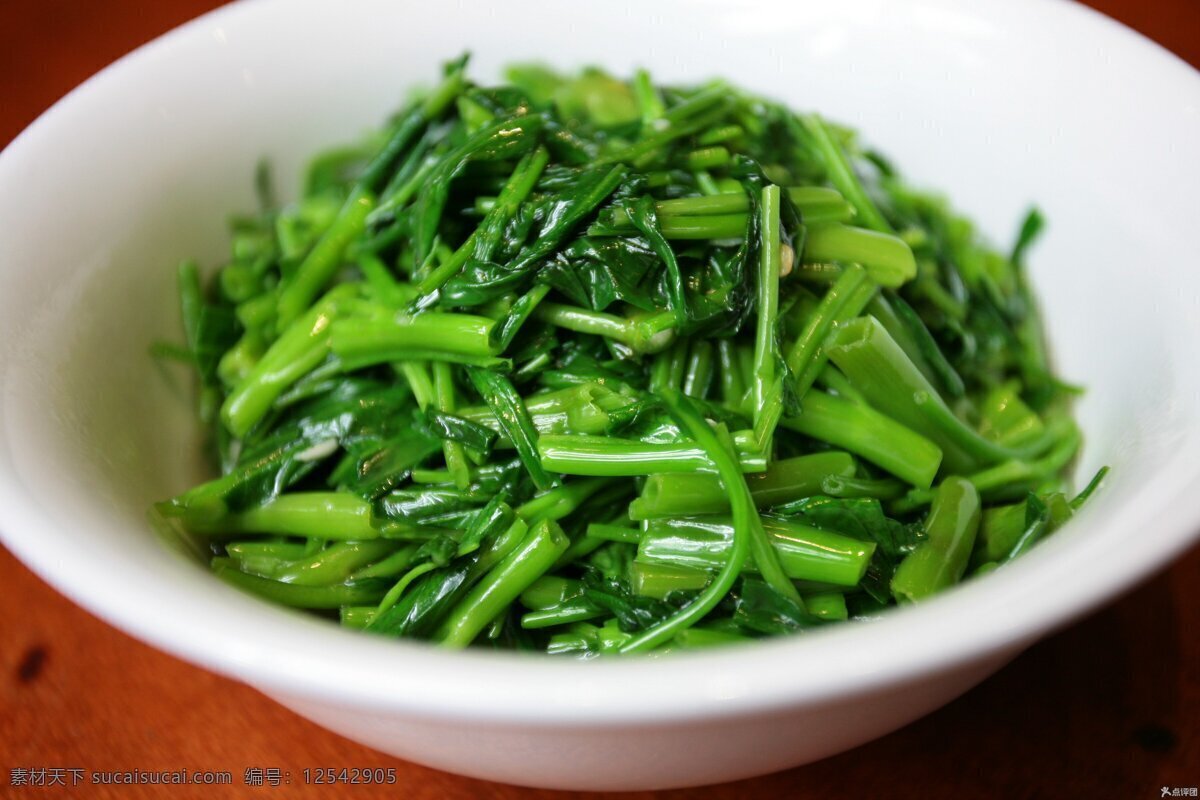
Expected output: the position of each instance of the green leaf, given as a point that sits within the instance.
(597, 272)
(449, 427)
(510, 412)
(761, 609)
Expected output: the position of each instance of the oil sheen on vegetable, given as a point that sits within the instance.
(585, 365)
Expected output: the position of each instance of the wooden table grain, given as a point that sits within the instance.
(1108, 708)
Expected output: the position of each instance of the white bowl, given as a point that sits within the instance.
(1000, 104)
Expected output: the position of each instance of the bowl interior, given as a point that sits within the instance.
(1018, 103)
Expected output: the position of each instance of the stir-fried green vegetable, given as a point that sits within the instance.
(582, 365)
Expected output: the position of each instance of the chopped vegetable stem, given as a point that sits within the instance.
(593, 366)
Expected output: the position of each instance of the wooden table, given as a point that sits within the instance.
(1109, 708)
